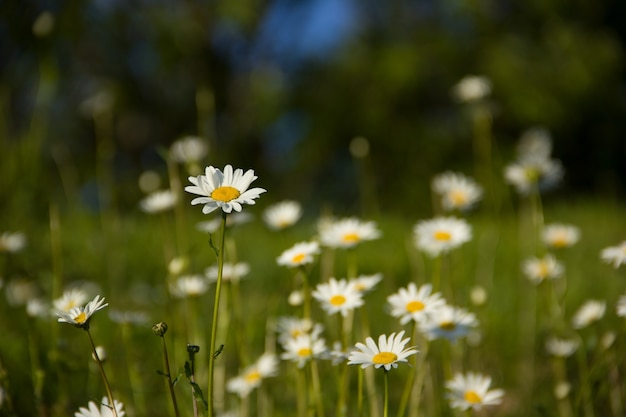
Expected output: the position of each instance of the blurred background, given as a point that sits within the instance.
(283, 87)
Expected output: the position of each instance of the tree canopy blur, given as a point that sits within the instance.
(284, 86)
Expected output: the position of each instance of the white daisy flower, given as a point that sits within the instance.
(189, 149)
(414, 304)
(558, 235)
(366, 283)
(472, 88)
(387, 353)
(471, 391)
(457, 191)
(621, 306)
(561, 347)
(234, 219)
(158, 201)
(37, 307)
(448, 322)
(251, 377)
(527, 176)
(104, 410)
(226, 190)
(80, 316)
(293, 327)
(347, 233)
(189, 286)
(282, 215)
(591, 311)
(338, 296)
(615, 255)
(441, 234)
(535, 144)
(71, 298)
(303, 348)
(230, 271)
(538, 270)
(299, 254)
(12, 242)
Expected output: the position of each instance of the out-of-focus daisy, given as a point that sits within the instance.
(189, 149)
(558, 235)
(538, 270)
(189, 286)
(177, 265)
(533, 175)
(615, 255)
(389, 351)
(414, 304)
(226, 190)
(293, 327)
(129, 317)
(80, 316)
(234, 219)
(478, 295)
(347, 233)
(230, 271)
(251, 377)
(302, 349)
(282, 215)
(457, 191)
(71, 298)
(591, 311)
(441, 234)
(535, 144)
(471, 391)
(158, 201)
(37, 307)
(366, 283)
(12, 241)
(295, 298)
(560, 347)
(621, 306)
(19, 291)
(448, 322)
(472, 88)
(103, 410)
(299, 254)
(338, 296)
(337, 354)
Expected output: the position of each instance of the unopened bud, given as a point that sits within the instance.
(159, 329)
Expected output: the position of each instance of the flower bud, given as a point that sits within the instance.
(159, 329)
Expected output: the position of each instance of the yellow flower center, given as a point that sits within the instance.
(298, 258)
(337, 300)
(225, 193)
(442, 235)
(304, 352)
(447, 325)
(295, 333)
(384, 358)
(414, 306)
(458, 197)
(253, 376)
(560, 241)
(471, 397)
(350, 238)
(543, 270)
(532, 174)
(81, 318)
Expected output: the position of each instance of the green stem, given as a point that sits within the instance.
(386, 395)
(168, 375)
(306, 293)
(107, 387)
(317, 390)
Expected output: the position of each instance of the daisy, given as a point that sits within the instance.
(293, 327)
(366, 283)
(347, 233)
(448, 322)
(621, 306)
(441, 234)
(189, 149)
(37, 307)
(561, 347)
(535, 144)
(189, 286)
(471, 391)
(558, 235)
(457, 191)
(251, 377)
(230, 271)
(158, 201)
(12, 241)
(71, 298)
(615, 255)
(282, 215)
(80, 316)
(388, 353)
(338, 296)
(589, 312)
(104, 410)
(538, 270)
(303, 348)
(414, 304)
(472, 88)
(299, 254)
(527, 176)
(226, 190)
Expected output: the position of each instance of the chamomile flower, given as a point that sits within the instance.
(389, 351)
(251, 377)
(527, 176)
(293, 327)
(71, 298)
(538, 270)
(366, 283)
(590, 312)
(158, 201)
(299, 254)
(226, 190)
(303, 348)
(471, 391)
(338, 296)
(457, 191)
(561, 347)
(615, 255)
(448, 322)
(347, 233)
(414, 304)
(558, 235)
(471, 88)
(230, 271)
(12, 242)
(104, 410)
(282, 215)
(189, 286)
(189, 149)
(441, 234)
(80, 316)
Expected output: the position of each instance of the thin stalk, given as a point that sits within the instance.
(306, 293)
(168, 375)
(386, 396)
(317, 390)
(107, 387)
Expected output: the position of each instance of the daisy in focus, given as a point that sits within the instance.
(448, 322)
(104, 410)
(226, 190)
(615, 255)
(441, 234)
(158, 201)
(590, 312)
(558, 235)
(300, 254)
(80, 316)
(389, 351)
(538, 270)
(338, 296)
(347, 233)
(303, 348)
(251, 377)
(414, 304)
(471, 391)
(457, 191)
(282, 215)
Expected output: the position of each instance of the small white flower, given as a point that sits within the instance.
(282, 215)
(615, 255)
(12, 242)
(251, 377)
(621, 306)
(471, 391)
(448, 322)
(538, 270)
(293, 327)
(230, 271)
(338, 296)
(300, 254)
(561, 347)
(528, 176)
(386, 354)
(347, 233)
(71, 298)
(189, 149)
(189, 286)
(303, 348)
(80, 316)
(558, 235)
(472, 88)
(441, 234)
(36, 307)
(104, 410)
(414, 304)
(457, 191)
(366, 283)
(158, 201)
(591, 311)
